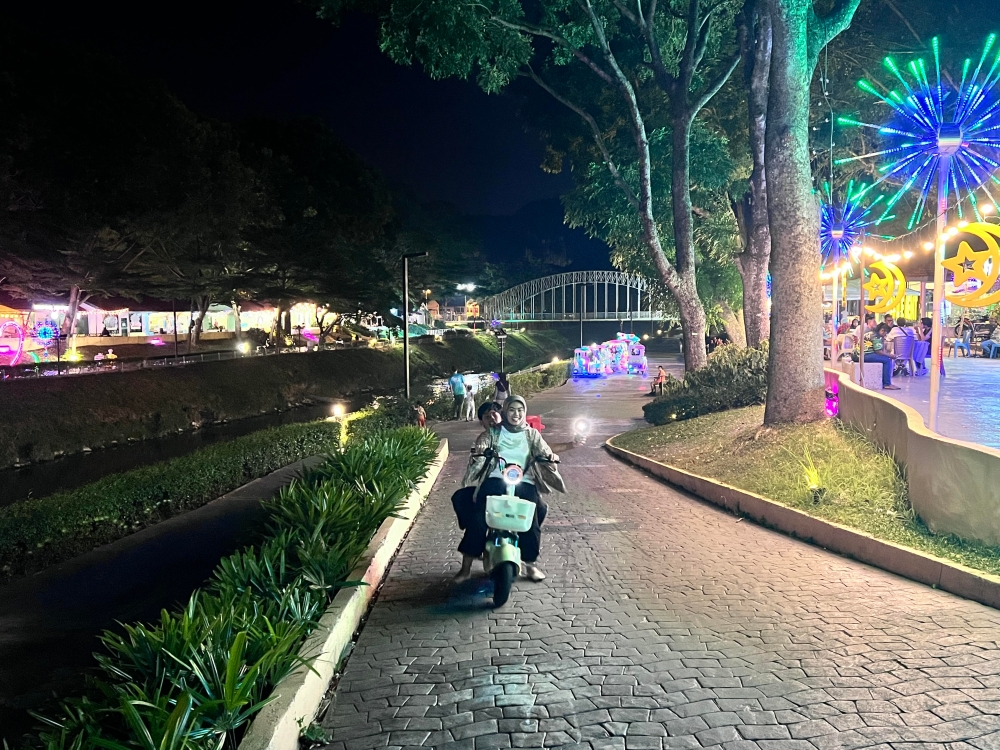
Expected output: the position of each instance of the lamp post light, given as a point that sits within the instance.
(501, 335)
(406, 317)
(465, 297)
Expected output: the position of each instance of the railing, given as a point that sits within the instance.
(69, 368)
(570, 317)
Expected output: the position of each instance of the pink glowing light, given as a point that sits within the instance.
(18, 333)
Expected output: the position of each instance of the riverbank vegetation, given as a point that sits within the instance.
(823, 468)
(195, 679)
(40, 532)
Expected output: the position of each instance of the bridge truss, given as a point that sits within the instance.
(576, 295)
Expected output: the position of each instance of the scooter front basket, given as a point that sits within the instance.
(509, 513)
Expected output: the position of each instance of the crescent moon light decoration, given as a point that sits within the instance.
(13, 354)
(976, 265)
(886, 286)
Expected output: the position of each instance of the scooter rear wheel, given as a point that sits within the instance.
(503, 576)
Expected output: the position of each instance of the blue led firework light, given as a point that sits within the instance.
(843, 225)
(936, 125)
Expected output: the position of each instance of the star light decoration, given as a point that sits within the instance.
(844, 226)
(936, 125)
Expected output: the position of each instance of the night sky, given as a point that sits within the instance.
(228, 59)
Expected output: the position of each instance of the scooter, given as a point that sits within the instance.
(506, 516)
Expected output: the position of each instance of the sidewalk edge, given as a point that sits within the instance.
(858, 545)
(296, 699)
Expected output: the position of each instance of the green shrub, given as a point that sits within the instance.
(733, 378)
(195, 679)
(37, 533)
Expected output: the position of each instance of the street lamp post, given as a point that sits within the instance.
(406, 317)
(501, 335)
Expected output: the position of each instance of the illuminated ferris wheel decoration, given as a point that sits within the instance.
(45, 333)
(844, 225)
(939, 130)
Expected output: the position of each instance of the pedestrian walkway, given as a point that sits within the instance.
(664, 623)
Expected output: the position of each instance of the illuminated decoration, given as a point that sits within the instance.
(886, 286)
(832, 402)
(622, 355)
(844, 225)
(937, 126)
(45, 333)
(976, 271)
(10, 329)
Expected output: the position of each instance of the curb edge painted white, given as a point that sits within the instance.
(296, 699)
(858, 545)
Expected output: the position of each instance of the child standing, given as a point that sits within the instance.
(421, 415)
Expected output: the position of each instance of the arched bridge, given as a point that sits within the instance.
(576, 295)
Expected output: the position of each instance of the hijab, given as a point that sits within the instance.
(511, 400)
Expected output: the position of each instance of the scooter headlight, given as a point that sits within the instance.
(512, 474)
(582, 426)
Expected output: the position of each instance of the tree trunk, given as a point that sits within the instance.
(237, 322)
(795, 367)
(735, 325)
(198, 325)
(692, 312)
(277, 331)
(754, 24)
(753, 270)
(68, 326)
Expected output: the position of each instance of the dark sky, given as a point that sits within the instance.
(231, 59)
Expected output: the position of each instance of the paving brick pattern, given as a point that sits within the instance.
(664, 623)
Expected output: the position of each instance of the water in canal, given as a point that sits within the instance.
(78, 469)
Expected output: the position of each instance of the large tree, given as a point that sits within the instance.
(638, 56)
(795, 377)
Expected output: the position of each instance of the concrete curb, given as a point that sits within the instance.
(296, 699)
(916, 566)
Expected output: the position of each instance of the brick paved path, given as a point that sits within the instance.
(664, 623)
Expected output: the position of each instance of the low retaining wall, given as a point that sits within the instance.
(858, 545)
(954, 486)
(296, 699)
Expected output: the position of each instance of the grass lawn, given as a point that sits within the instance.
(864, 488)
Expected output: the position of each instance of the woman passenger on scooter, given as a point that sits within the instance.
(519, 444)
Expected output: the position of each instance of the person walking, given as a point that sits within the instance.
(469, 404)
(457, 384)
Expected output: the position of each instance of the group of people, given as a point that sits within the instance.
(965, 329)
(464, 394)
(878, 341)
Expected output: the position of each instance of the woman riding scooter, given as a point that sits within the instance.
(516, 443)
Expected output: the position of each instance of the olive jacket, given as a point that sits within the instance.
(545, 475)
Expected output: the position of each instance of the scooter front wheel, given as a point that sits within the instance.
(503, 576)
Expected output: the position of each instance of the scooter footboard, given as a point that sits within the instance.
(509, 513)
